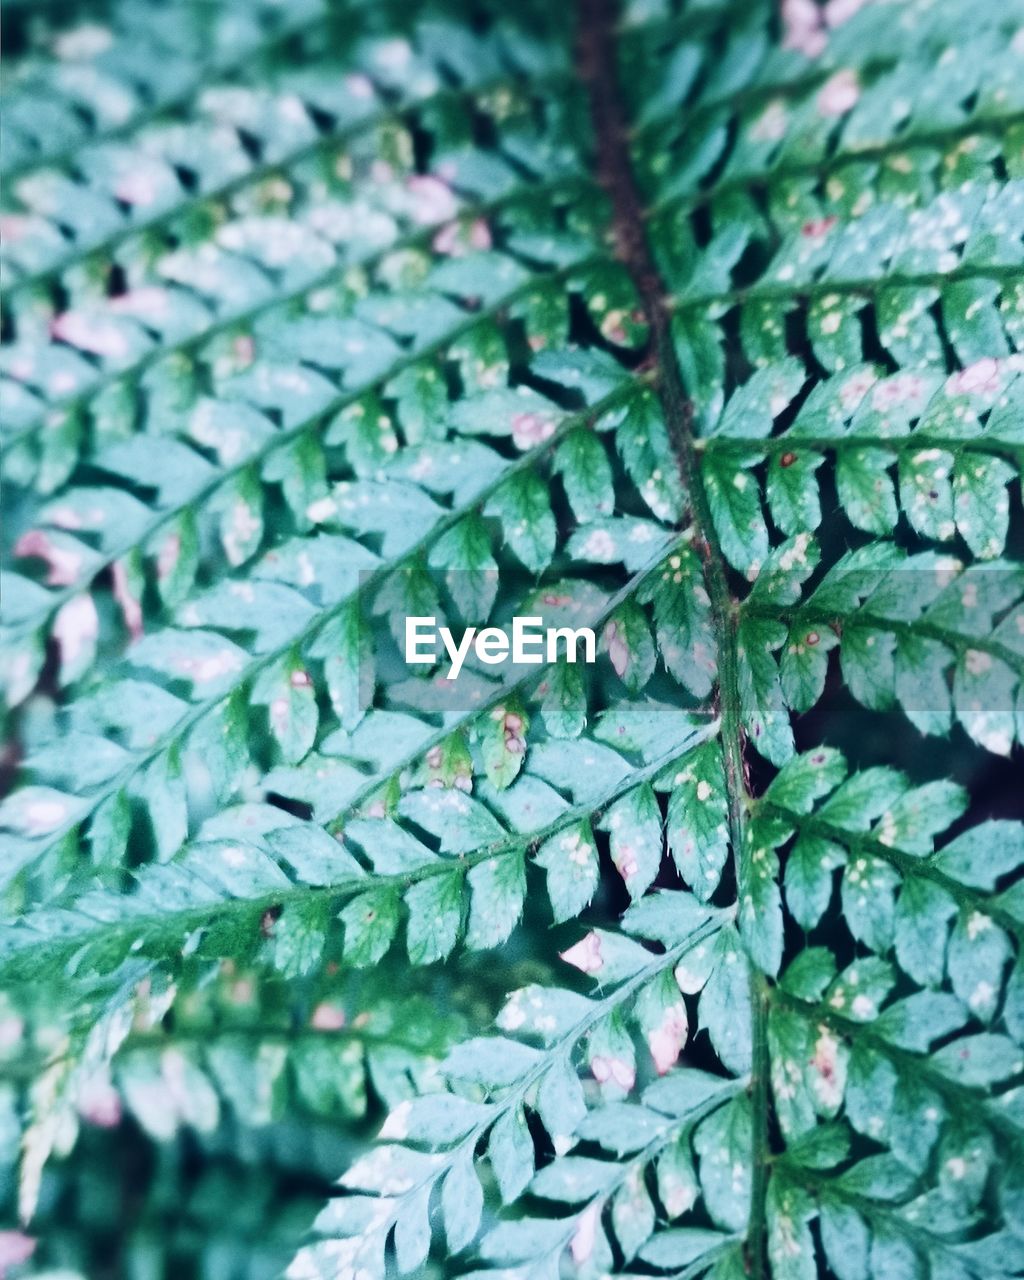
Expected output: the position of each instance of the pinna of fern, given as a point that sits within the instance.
(696, 322)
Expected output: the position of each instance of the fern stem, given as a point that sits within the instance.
(152, 1040)
(772, 291)
(597, 60)
(914, 440)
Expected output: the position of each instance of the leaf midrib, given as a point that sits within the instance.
(599, 70)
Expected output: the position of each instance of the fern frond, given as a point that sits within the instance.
(243, 1210)
(396, 1181)
(164, 297)
(695, 323)
(902, 626)
(106, 83)
(254, 860)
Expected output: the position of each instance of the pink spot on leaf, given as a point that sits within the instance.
(981, 378)
(839, 94)
(433, 200)
(585, 955)
(328, 1017)
(618, 649)
(815, 228)
(131, 609)
(90, 333)
(530, 429)
(666, 1040)
(64, 562)
(620, 1071)
(803, 27)
(15, 1248)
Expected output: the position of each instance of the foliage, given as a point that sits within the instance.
(696, 322)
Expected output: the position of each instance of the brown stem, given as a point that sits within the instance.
(597, 67)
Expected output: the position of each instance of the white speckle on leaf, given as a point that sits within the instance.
(242, 527)
(839, 11)
(512, 1016)
(839, 94)
(981, 996)
(359, 86)
(321, 510)
(211, 667)
(977, 924)
(83, 43)
(43, 816)
(582, 1244)
(977, 662)
(771, 125)
(136, 189)
(395, 1128)
(75, 629)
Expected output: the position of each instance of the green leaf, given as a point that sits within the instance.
(698, 833)
(503, 743)
(524, 510)
(570, 860)
(634, 837)
(435, 917)
(707, 319)
(370, 923)
(586, 474)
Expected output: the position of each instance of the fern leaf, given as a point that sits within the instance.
(696, 325)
